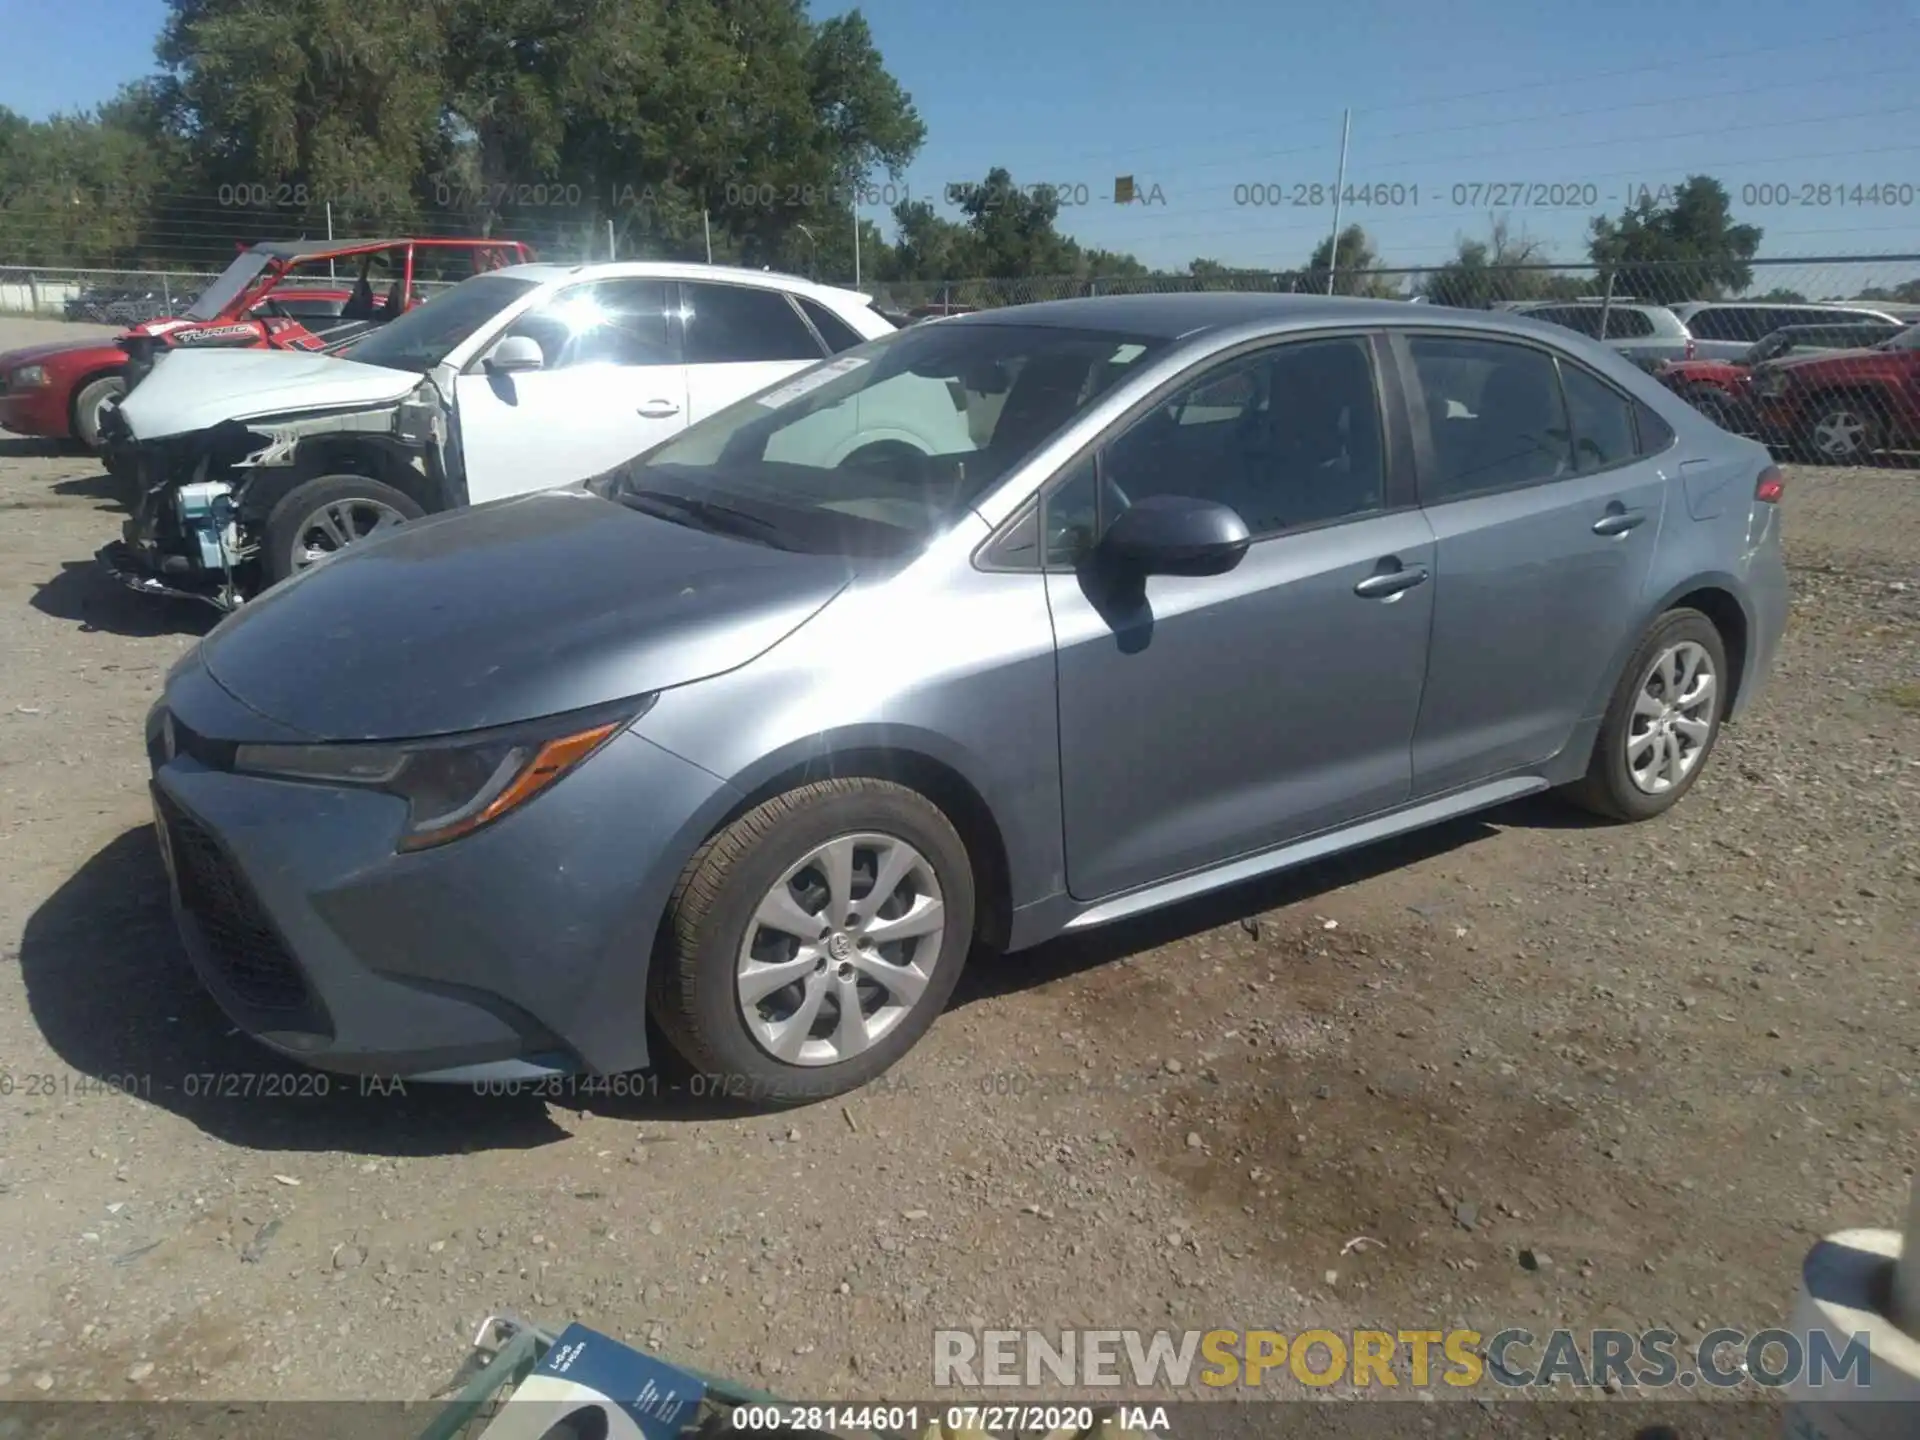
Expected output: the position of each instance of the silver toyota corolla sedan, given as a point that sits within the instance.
(760, 733)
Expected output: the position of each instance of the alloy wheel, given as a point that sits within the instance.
(841, 949)
(1672, 720)
(336, 525)
(1842, 433)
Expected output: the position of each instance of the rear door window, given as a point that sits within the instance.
(736, 324)
(1628, 324)
(1496, 417)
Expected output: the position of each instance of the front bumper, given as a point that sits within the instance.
(526, 944)
(133, 569)
(40, 411)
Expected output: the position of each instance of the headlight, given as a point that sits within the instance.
(454, 784)
(27, 377)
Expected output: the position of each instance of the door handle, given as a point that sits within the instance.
(1618, 522)
(1386, 584)
(659, 409)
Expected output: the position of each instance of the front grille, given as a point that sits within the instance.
(242, 944)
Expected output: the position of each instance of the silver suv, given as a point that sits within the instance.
(1645, 334)
(1726, 329)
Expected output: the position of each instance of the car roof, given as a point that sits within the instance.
(545, 272)
(1184, 315)
(1859, 306)
(1619, 303)
(1180, 313)
(1828, 327)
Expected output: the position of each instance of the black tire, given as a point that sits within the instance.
(294, 515)
(1608, 788)
(124, 471)
(86, 408)
(1712, 404)
(693, 981)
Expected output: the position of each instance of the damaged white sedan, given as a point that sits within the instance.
(246, 467)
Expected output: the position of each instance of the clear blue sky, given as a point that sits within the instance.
(1217, 103)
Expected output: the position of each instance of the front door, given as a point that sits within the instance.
(1229, 714)
(612, 385)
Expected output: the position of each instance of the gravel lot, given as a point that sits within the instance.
(1667, 1057)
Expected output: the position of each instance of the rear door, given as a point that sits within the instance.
(739, 339)
(1544, 515)
(612, 385)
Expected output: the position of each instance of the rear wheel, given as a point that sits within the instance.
(812, 942)
(94, 397)
(1661, 723)
(324, 516)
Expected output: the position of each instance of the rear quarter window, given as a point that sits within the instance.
(838, 334)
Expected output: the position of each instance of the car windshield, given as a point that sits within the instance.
(1907, 339)
(227, 285)
(422, 338)
(878, 450)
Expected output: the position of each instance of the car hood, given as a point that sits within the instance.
(34, 354)
(192, 390)
(1823, 357)
(522, 608)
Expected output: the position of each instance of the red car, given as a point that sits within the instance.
(1841, 407)
(1719, 389)
(274, 295)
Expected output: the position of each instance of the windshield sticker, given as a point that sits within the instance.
(811, 381)
(1128, 353)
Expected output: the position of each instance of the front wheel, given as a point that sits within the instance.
(1845, 431)
(87, 405)
(813, 941)
(1661, 723)
(322, 517)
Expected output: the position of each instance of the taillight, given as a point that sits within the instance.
(1772, 485)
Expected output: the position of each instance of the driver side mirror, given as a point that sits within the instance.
(1175, 535)
(514, 354)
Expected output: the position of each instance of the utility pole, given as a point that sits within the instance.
(706, 226)
(1333, 247)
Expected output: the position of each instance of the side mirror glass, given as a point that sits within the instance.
(514, 354)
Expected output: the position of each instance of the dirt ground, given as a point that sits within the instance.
(1667, 1057)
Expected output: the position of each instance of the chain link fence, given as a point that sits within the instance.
(1818, 357)
(1815, 356)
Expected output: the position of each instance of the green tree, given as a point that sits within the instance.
(1907, 292)
(302, 104)
(1356, 263)
(1689, 249)
(76, 189)
(1504, 266)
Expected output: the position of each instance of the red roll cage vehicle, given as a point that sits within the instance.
(277, 295)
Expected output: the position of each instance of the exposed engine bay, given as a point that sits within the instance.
(218, 515)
